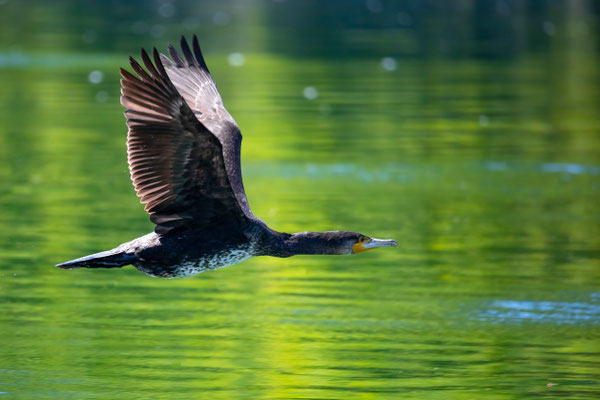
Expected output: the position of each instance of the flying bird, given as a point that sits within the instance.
(183, 151)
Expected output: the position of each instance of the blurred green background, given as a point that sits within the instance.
(468, 130)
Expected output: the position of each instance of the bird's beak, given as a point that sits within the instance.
(374, 243)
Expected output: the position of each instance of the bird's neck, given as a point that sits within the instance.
(311, 243)
(278, 244)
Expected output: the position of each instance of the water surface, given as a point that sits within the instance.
(476, 148)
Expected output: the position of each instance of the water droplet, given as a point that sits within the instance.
(483, 120)
(157, 31)
(502, 8)
(102, 96)
(325, 109)
(404, 19)
(374, 6)
(139, 27)
(221, 18)
(89, 36)
(236, 59)
(389, 64)
(549, 28)
(191, 23)
(310, 93)
(166, 10)
(95, 77)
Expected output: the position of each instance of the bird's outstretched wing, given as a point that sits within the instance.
(177, 165)
(193, 81)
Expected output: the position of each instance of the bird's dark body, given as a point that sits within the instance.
(183, 151)
(177, 255)
(189, 252)
(186, 252)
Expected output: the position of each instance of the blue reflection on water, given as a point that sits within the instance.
(496, 165)
(21, 60)
(386, 173)
(541, 311)
(13, 60)
(568, 168)
(402, 173)
(575, 169)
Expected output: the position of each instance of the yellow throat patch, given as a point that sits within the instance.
(359, 246)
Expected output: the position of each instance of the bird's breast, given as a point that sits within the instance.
(196, 265)
(215, 261)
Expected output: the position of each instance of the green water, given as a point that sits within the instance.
(478, 151)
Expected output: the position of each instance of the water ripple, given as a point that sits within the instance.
(403, 173)
(515, 311)
(567, 168)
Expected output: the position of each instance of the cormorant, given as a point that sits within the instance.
(183, 150)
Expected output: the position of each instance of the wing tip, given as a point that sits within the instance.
(187, 53)
(198, 53)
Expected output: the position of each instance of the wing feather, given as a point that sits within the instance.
(177, 165)
(193, 81)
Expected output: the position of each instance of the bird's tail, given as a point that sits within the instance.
(114, 258)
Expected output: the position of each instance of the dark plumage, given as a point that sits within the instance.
(184, 157)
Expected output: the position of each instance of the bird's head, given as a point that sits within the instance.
(334, 242)
(362, 243)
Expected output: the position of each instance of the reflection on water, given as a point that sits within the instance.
(467, 131)
(570, 168)
(574, 169)
(403, 172)
(541, 311)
